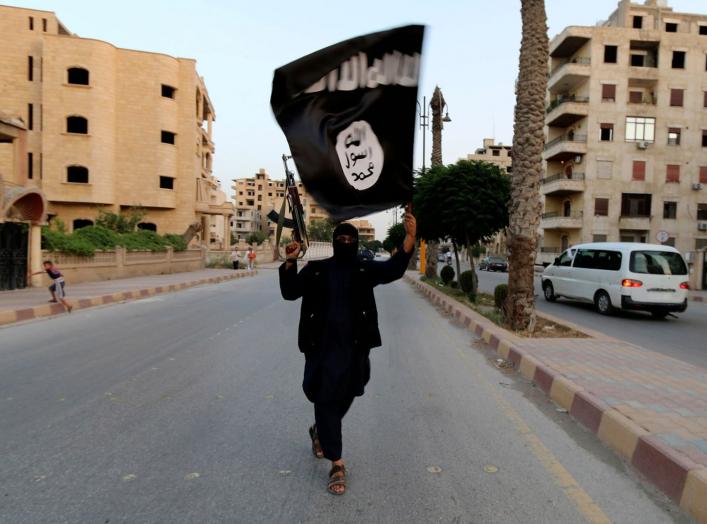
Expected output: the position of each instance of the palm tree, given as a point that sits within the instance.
(437, 104)
(528, 143)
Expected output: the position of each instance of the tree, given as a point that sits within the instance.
(396, 235)
(256, 237)
(528, 144)
(123, 222)
(466, 202)
(373, 245)
(320, 230)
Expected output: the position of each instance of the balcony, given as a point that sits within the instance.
(569, 41)
(565, 147)
(643, 73)
(562, 184)
(555, 220)
(635, 222)
(566, 110)
(569, 75)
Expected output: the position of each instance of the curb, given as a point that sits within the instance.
(698, 298)
(12, 316)
(681, 479)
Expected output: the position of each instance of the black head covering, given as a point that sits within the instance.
(345, 252)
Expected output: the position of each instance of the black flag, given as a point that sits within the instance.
(348, 112)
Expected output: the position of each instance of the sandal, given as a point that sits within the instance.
(337, 477)
(316, 446)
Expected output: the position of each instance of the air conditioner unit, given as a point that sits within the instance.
(697, 186)
(702, 226)
(642, 145)
(578, 159)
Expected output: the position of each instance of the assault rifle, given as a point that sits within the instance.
(296, 223)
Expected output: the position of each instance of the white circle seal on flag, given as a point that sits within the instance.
(360, 154)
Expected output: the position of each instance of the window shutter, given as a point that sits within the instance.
(676, 96)
(635, 97)
(639, 170)
(672, 173)
(703, 175)
(608, 92)
(601, 206)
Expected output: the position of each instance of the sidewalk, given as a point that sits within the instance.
(649, 408)
(698, 296)
(26, 304)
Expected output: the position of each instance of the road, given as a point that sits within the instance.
(682, 337)
(187, 408)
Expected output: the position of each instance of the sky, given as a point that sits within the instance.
(471, 52)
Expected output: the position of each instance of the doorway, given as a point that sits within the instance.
(13, 255)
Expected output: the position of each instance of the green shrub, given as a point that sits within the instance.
(69, 244)
(454, 284)
(477, 250)
(500, 294)
(467, 281)
(143, 240)
(98, 236)
(120, 223)
(447, 275)
(176, 241)
(258, 237)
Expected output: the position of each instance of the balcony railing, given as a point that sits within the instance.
(558, 214)
(581, 139)
(565, 100)
(562, 176)
(582, 60)
(549, 249)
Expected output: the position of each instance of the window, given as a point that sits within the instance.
(674, 136)
(30, 116)
(585, 259)
(670, 210)
(607, 132)
(701, 211)
(168, 91)
(657, 263)
(168, 137)
(636, 205)
(639, 170)
(671, 27)
(610, 54)
(672, 173)
(147, 226)
(608, 92)
(703, 29)
(31, 23)
(703, 175)
(44, 25)
(704, 138)
(599, 238)
(676, 97)
(30, 68)
(77, 174)
(601, 207)
(678, 60)
(635, 97)
(166, 182)
(638, 59)
(495, 152)
(704, 102)
(670, 242)
(76, 124)
(77, 76)
(638, 22)
(605, 169)
(565, 259)
(30, 165)
(598, 259)
(700, 243)
(640, 129)
(81, 223)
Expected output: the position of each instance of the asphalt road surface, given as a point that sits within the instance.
(684, 337)
(187, 407)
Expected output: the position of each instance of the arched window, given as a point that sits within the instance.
(77, 174)
(76, 124)
(147, 226)
(78, 76)
(82, 222)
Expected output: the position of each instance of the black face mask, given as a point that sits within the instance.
(345, 252)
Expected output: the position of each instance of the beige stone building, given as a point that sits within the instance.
(493, 153)
(366, 231)
(626, 149)
(256, 196)
(110, 128)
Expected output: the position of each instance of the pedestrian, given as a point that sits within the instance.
(338, 327)
(234, 258)
(251, 258)
(57, 287)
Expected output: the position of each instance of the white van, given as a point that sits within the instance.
(647, 277)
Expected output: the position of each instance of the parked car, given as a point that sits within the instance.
(493, 264)
(628, 276)
(366, 254)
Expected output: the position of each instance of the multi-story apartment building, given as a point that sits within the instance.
(366, 231)
(493, 153)
(109, 128)
(626, 149)
(256, 196)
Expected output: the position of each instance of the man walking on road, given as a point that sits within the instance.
(338, 327)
